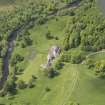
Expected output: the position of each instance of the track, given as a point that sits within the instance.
(92, 54)
(102, 51)
(68, 95)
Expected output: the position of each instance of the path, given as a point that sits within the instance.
(75, 76)
(92, 54)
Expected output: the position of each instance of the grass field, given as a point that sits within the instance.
(74, 84)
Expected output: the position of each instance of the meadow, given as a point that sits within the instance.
(75, 83)
(72, 29)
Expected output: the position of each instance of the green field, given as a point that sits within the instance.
(74, 84)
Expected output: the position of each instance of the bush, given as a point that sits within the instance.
(23, 44)
(17, 58)
(66, 57)
(9, 87)
(56, 38)
(21, 84)
(18, 69)
(41, 20)
(49, 36)
(90, 63)
(66, 12)
(100, 68)
(30, 84)
(2, 94)
(77, 59)
(28, 41)
(58, 65)
(51, 72)
(77, 56)
(47, 89)
(34, 77)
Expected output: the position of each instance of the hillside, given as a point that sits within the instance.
(29, 30)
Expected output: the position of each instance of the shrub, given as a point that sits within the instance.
(2, 93)
(77, 56)
(30, 84)
(23, 44)
(49, 36)
(58, 65)
(51, 72)
(34, 77)
(100, 68)
(73, 56)
(9, 87)
(47, 89)
(77, 59)
(66, 12)
(17, 58)
(56, 38)
(90, 63)
(66, 57)
(21, 84)
(28, 41)
(41, 20)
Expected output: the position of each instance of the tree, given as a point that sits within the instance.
(100, 68)
(31, 82)
(77, 58)
(66, 57)
(9, 87)
(47, 89)
(17, 58)
(58, 64)
(21, 84)
(48, 35)
(50, 72)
